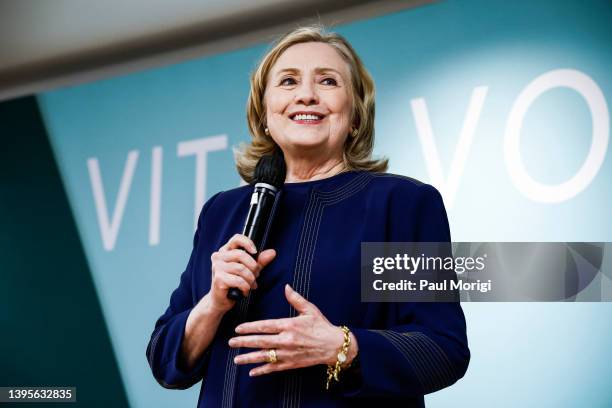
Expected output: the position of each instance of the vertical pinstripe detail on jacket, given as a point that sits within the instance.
(293, 390)
(328, 199)
(317, 203)
(229, 384)
(431, 365)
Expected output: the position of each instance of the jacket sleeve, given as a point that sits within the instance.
(164, 348)
(426, 349)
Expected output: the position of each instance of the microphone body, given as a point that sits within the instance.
(259, 217)
(268, 179)
(260, 213)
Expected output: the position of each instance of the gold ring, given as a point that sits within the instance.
(272, 356)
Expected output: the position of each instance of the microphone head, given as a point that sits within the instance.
(271, 169)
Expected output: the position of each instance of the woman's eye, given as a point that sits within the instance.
(287, 81)
(329, 81)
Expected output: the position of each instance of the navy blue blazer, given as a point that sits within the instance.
(406, 350)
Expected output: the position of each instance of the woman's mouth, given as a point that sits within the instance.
(307, 118)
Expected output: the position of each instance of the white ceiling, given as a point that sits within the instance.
(46, 44)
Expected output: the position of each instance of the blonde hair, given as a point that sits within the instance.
(357, 154)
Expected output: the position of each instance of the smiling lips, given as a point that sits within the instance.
(307, 118)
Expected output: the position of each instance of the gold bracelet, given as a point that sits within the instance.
(334, 369)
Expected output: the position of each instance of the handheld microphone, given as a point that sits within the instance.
(268, 180)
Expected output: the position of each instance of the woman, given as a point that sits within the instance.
(302, 336)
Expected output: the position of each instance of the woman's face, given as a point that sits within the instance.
(307, 98)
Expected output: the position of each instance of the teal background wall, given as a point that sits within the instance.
(448, 75)
(53, 332)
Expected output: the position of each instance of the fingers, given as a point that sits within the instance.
(298, 302)
(221, 268)
(260, 356)
(284, 361)
(236, 262)
(265, 257)
(272, 367)
(270, 326)
(244, 273)
(226, 281)
(261, 341)
(240, 241)
(238, 255)
(232, 267)
(240, 270)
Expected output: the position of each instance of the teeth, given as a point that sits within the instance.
(306, 117)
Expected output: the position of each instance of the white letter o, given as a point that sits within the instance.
(596, 101)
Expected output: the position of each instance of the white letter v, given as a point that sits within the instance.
(448, 187)
(109, 230)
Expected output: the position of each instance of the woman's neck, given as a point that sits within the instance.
(307, 171)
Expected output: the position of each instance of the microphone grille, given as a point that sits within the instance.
(271, 169)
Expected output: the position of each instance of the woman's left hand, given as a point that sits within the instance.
(302, 341)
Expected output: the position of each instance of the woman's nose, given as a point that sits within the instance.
(306, 94)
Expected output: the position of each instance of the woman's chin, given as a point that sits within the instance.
(301, 147)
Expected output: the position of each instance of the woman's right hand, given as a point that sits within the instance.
(233, 267)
